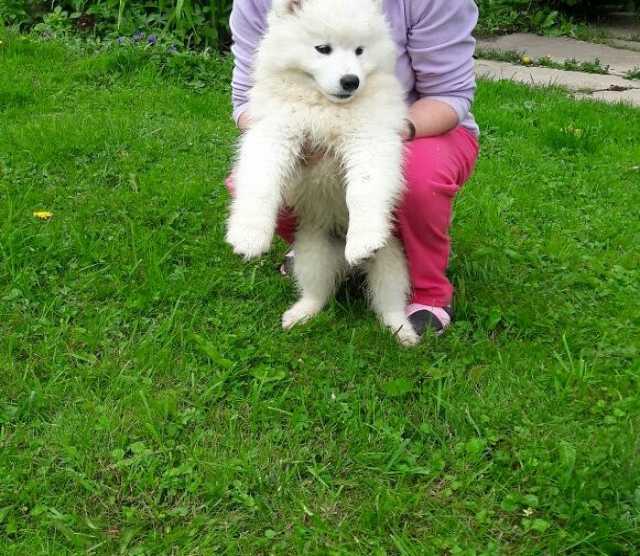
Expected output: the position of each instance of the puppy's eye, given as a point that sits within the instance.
(324, 49)
(359, 51)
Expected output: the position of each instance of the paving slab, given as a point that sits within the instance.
(572, 80)
(559, 49)
(588, 85)
(628, 45)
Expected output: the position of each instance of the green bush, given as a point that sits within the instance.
(204, 23)
(195, 23)
(541, 16)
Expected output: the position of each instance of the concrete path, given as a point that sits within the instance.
(627, 45)
(621, 59)
(632, 96)
(608, 88)
(559, 49)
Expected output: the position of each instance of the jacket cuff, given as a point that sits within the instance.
(238, 111)
(459, 104)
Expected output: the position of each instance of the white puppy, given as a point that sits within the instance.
(324, 79)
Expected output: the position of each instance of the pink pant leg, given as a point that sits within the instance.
(286, 227)
(436, 168)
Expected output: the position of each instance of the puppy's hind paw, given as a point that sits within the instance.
(401, 328)
(407, 337)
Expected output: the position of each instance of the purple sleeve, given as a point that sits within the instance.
(441, 48)
(248, 23)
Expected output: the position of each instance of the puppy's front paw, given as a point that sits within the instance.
(363, 245)
(249, 239)
(299, 313)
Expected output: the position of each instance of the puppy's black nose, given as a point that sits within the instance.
(350, 82)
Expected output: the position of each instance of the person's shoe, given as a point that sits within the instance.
(286, 268)
(427, 317)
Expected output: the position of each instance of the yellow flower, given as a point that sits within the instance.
(43, 214)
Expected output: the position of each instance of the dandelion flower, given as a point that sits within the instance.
(43, 214)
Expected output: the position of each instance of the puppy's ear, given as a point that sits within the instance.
(286, 7)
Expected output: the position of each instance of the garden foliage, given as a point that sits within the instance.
(205, 23)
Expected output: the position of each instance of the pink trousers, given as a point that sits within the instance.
(435, 170)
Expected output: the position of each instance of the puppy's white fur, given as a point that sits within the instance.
(345, 201)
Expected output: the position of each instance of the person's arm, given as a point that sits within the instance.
(247, 23)
(441, 47)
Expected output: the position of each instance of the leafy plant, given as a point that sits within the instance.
(15, 12)
(205, 23)
(195, 23)
(553, 17)
(56, 22)
(633, 73)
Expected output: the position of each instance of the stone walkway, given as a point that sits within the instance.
(608, 88)
(559, 49)
(613, 87)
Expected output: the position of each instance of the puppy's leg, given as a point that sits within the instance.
(268, 156)
(373, 160)
(389, 286)
(318, 264)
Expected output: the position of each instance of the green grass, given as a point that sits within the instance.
(150, 403)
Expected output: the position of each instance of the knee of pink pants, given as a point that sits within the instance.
(435, 169)
(286, 226)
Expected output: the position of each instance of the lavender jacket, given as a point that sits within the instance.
(433, 38)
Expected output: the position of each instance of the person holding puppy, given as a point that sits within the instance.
(435, 66)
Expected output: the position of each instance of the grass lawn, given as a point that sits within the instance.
(150, 403)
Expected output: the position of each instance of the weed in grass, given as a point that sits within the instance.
(587, 67)
(633, 73)
(511, 56)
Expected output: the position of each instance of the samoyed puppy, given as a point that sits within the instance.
(324, 81)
